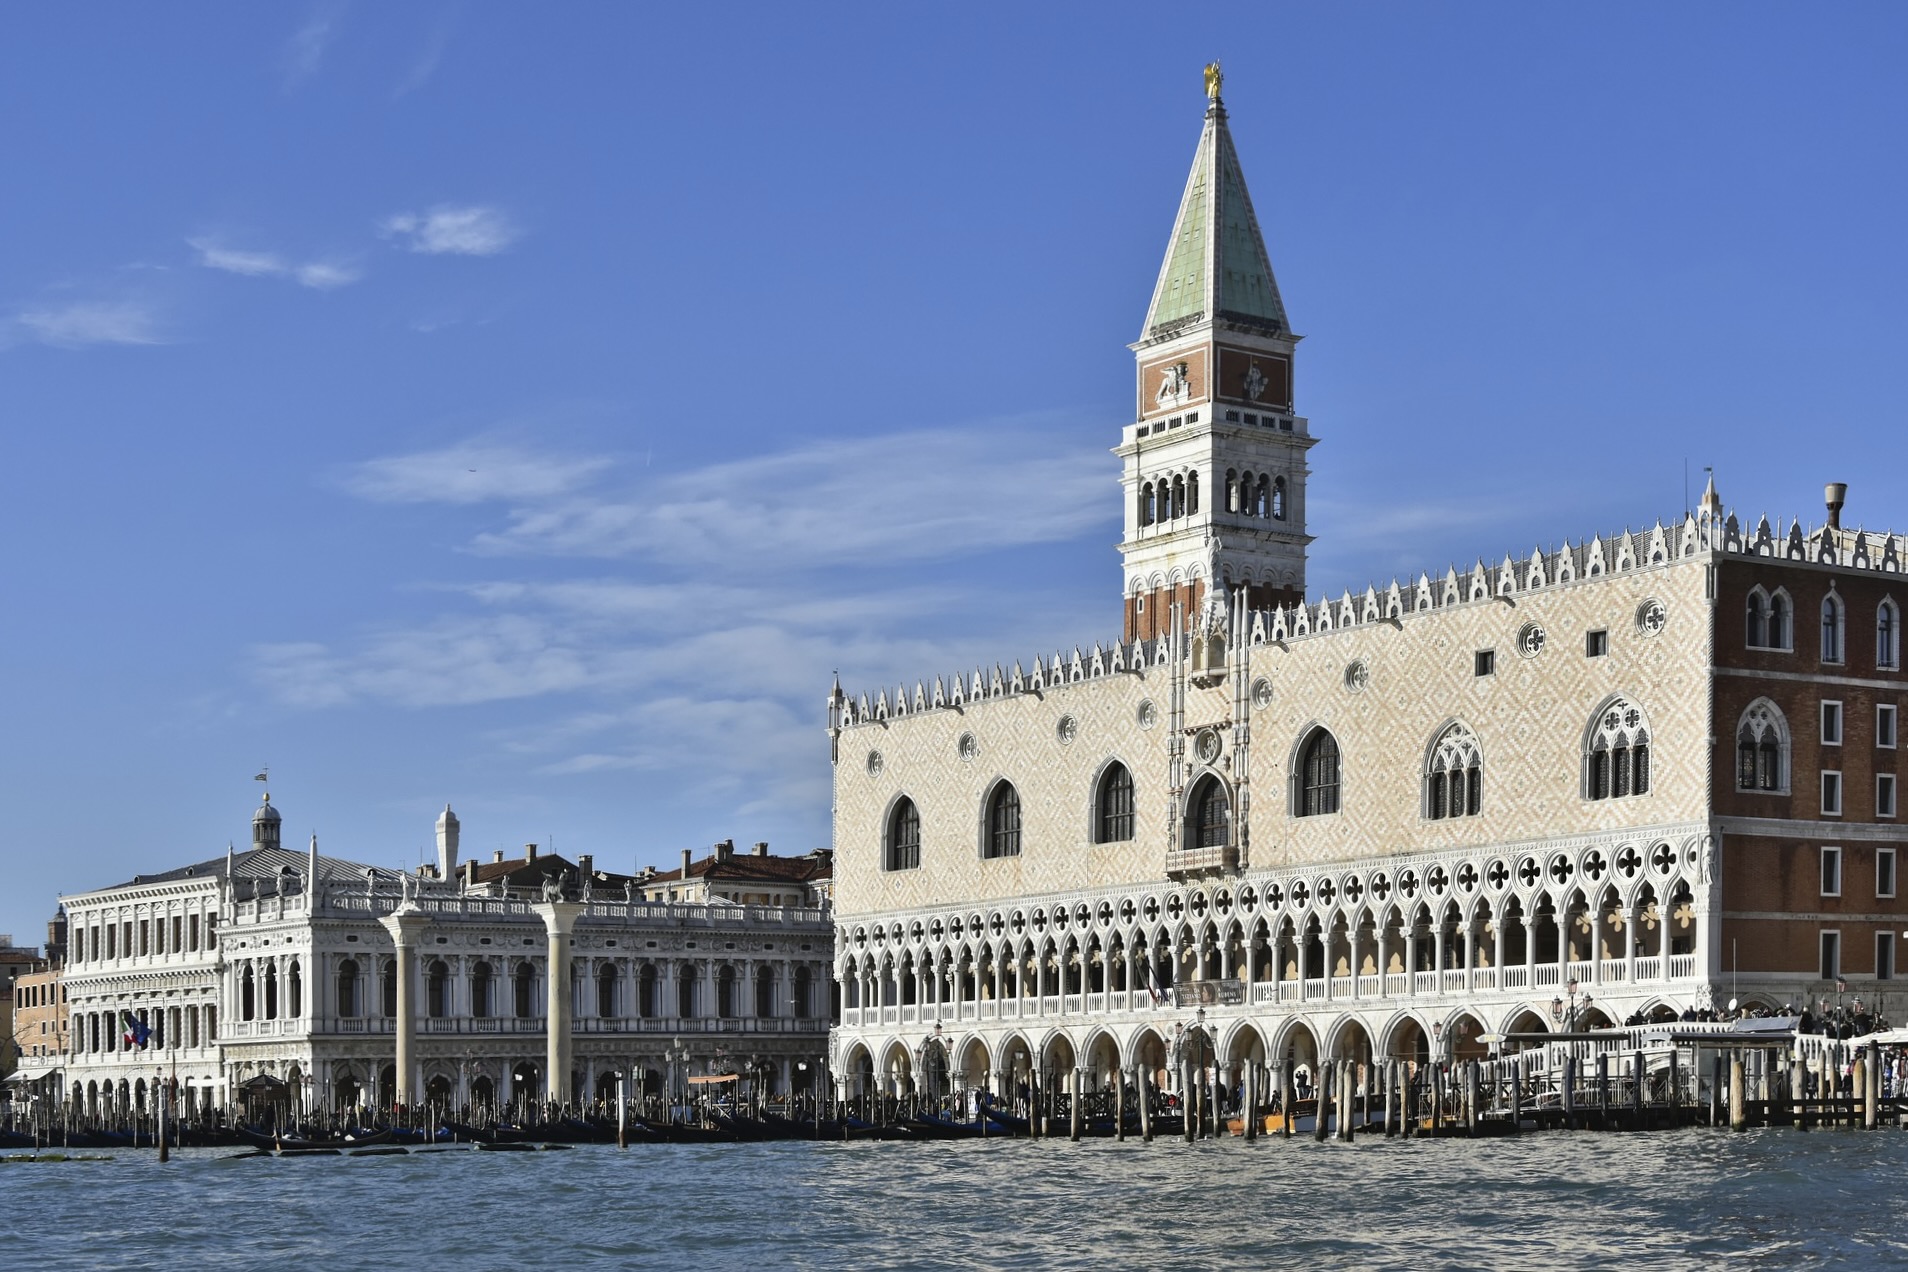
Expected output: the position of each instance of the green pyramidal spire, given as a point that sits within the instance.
(1216, 265)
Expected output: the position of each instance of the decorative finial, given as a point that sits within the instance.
(1214, 78)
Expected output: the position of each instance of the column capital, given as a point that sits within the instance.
(404, 924)
(559, 917)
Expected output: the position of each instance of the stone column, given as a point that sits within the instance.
(559, 917)
(404, 925)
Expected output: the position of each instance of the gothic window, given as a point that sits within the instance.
(1003, 823)
(1781, 621)
(1831, 628)
(606, 992)
(1113, 806)
(1757, 636)
(437, 990)
(904, 836)
(1617, 753)
(1278, 499)
(1317, 775)
(1887, 635)
(1209, 824)
(348, 989)
(1762, 749)
(480, 991)
(1454, 777)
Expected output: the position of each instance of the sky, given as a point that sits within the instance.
(531, 408)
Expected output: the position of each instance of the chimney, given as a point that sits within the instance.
(585, 865)
(446, 843)
(497, 858)
(1836, 494)
(529, 852)
(470, 873)
(761, 848)
(685, 865)
(725, 850)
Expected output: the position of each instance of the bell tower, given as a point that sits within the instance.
(1213, 466)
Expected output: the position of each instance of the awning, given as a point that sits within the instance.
(715, 1077)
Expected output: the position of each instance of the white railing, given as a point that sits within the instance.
(1424, 982)
(1650, 968)
(1614, 970)
(1682, 966)
(1548, 976)
(1265, 992)
(1288, 991)
(1370, 986)
(1397, 984)
(1452, 980)
(1582, 970)
(1341, 987)
(1484, 978)
(1516, 978)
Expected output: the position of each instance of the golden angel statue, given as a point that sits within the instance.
(1214, 77)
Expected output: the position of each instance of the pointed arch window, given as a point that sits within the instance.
(1617, 753)
(904, 836)
(1762, 749)
(1317, 775)
(1756, 620)
(1003, 823)
(1209, 820)
(1454, 776)
(1832, 628)
(1113, 806)
(1781, 621)
(1887, 635)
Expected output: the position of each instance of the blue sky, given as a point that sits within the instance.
(529, 408)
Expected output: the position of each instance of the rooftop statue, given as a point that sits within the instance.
(1214, 77)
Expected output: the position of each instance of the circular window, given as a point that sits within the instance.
(1530, 640)
(1358, 675)
(1147, 715)
(1262, 693)
(1067, 729)
(874, 764)
(968, 747)
(1651, 617)
(1208, 746)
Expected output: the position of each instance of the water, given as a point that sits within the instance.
(1676, 1199)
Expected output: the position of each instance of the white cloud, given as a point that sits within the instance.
(453, 231)
(92, 322)
(305, 51)
(321, 275)
(426, 64)
(471, 472)
(903, 496)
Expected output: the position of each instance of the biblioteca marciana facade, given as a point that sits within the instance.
(291, 978)
(1643, 773)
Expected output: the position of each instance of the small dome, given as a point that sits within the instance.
(266, 813)
(447, 817)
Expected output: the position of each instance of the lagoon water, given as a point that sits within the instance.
(1678, 1199)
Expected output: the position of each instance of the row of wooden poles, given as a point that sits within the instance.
(1457, 1100)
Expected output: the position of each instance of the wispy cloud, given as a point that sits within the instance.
(75, 324)
(427, 62)
(453, 231)
(472, 472)
(678, 655)
(902, 496)
(321, 275)
(305, 51)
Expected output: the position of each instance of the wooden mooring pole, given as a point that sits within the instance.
(1146, 1106)
(1871, 1088)
(1738, 1115)
(1285, 1098)
(1073, 1105)
(1119, 1106)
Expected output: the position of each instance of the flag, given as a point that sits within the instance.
(137, 1031)
(260, 777)
(1152, 984)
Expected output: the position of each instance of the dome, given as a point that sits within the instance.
(266, 813)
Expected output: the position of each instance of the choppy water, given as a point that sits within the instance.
(1681, 1199)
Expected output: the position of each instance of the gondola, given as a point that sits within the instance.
(277, 1141)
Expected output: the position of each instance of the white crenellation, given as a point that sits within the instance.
(1567, 566)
